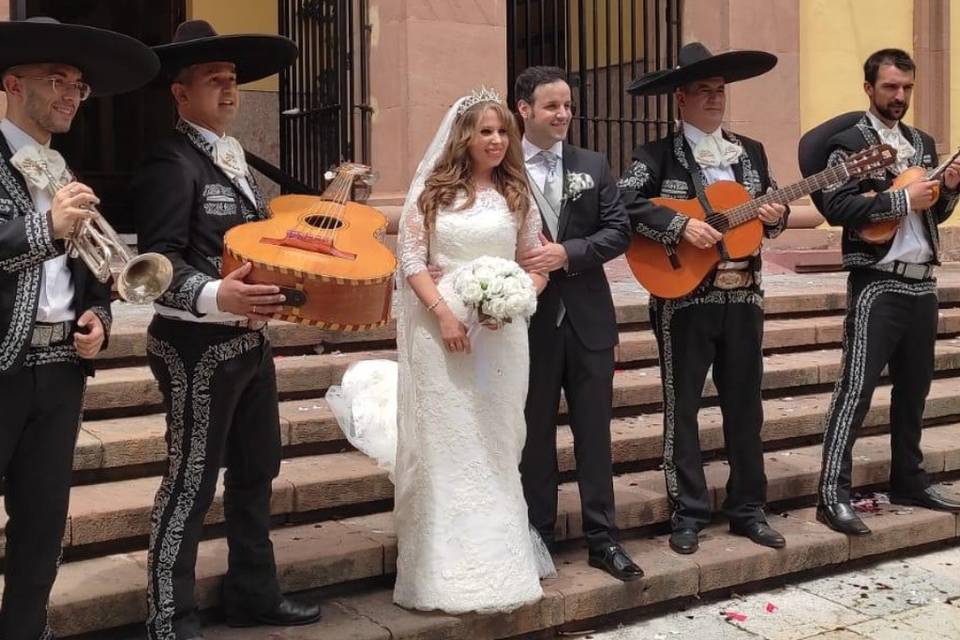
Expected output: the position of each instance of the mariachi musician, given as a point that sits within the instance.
(207, 344)
(892, 312)
(55, 315)
(720, 323)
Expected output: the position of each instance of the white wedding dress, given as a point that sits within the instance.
(463, 534)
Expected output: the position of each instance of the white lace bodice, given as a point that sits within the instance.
(486, 228)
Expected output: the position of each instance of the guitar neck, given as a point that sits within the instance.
(751, 210)
(338, 191)
(936, 172)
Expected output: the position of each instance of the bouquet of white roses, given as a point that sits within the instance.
(496, 288)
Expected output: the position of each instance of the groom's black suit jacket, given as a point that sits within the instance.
(594, 228)
(577, 356)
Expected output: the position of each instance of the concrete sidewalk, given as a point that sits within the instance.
(914, 598)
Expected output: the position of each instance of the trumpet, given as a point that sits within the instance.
(140, 279)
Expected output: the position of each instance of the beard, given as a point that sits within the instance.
(41, 111)
(887, 110)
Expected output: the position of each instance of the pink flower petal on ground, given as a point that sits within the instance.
(771, 607)
(734, 615)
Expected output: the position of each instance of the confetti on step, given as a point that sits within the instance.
(771, 608)
(736, 616)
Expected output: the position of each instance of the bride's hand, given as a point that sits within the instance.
(454, 333)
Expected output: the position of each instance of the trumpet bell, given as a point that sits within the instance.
(145, 278)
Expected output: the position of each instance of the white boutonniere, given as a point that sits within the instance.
(576, 184)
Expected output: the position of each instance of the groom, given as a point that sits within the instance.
(574, 331)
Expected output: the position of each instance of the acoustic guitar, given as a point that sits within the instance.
(324, 252)
(673, 272)
(883, 232)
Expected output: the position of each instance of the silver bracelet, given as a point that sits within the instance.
(435, 303)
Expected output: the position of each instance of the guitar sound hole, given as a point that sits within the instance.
(323, 222)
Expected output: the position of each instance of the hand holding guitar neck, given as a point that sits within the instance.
(673, 272)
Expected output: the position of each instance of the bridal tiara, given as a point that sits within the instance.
(478, 96)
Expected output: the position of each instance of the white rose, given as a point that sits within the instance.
(471, 293)
(495, 308)
(484, 274)
(496, 287)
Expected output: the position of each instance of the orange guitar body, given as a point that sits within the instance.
(883, 232)
(651, 264)
(327, 258)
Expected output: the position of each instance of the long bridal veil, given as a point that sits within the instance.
(369, 397)
(376, 402)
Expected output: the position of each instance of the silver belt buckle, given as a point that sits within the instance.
(732, 279)
(915, 271)
(46, 334)
(42, 335)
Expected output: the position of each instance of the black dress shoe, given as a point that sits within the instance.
(759, 532)
(841, 517)
(685, 541)
(615, 561)
(287, 613)
(929, 498)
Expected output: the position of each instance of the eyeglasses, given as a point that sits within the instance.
(61, 86)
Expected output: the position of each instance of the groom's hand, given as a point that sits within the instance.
(549, 256)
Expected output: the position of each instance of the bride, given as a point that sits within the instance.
(464, 542)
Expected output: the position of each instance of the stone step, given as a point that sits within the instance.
(134, 390)
(128, 338)
(580, 594)
(109, 512)
(108, 591)
(137, 441)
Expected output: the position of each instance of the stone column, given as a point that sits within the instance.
(931, 101)
(766, 108)
(424, 55)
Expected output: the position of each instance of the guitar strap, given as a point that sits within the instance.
(698, 186)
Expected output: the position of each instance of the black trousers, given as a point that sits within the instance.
(38, 432)
(891, 321)
(220, 392)
(723, 330)
(558, 360)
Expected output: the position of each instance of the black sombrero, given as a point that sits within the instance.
(255, 55)
(110, 62)
(695, 62)
(814, 148)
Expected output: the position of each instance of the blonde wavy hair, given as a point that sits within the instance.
(453, 173)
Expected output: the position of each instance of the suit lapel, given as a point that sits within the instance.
(207, 149)
(737, 166)
(569, 165)
(12, 180)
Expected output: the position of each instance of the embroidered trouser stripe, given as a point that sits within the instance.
(219, 390)
(42, 407)
(890, 321)
(722, 330)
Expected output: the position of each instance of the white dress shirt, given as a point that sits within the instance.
(910, 244)
(56, 281)
(207, 301)
(712, 174)
(536, 168)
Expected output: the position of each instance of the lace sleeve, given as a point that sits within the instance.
(528, 236)
(412, 242)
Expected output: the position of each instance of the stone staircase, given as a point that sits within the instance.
(333, 531)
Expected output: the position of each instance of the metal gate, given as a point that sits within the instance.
(603, 45)
(324, 110)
